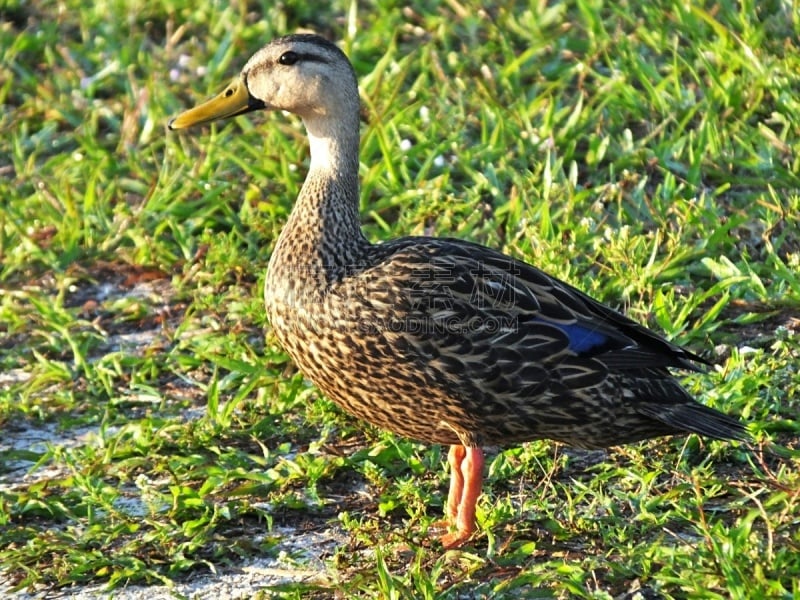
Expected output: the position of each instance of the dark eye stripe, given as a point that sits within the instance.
(291, 57)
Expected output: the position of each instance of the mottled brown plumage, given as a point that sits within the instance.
(442, 340)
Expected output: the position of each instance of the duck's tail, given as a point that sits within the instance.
(692, 417)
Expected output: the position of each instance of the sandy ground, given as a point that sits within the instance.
(230, 583)
(241, 581)
(226, 583)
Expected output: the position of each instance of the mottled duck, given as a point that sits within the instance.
(439, 339)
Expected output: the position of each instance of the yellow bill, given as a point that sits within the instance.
(234, 100)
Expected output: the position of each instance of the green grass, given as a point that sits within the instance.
(646, 152)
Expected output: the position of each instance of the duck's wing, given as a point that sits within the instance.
(453, 292)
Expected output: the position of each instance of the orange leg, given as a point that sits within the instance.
(455, 457)
(466, 477)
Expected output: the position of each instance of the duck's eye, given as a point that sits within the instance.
(289, 58)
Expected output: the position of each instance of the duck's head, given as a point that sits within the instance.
(303, 74)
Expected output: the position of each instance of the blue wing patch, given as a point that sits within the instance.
(581, 337)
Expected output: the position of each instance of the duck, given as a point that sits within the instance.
(438, 339)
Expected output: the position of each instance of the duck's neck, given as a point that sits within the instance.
(324, 229)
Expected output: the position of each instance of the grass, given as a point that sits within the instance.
(647, 153)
